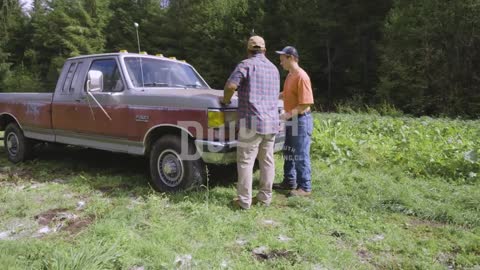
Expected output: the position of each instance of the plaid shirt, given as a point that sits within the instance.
(258, 82)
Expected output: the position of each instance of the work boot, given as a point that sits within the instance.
(283, 186)
(237, 206)
(256, 201)
(299, 193)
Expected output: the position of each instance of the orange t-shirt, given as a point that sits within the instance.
(297, 90)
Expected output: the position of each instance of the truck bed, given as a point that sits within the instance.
(32, 110)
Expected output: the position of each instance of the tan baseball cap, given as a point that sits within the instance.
(256, 43)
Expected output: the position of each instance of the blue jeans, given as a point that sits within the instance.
(296, 152)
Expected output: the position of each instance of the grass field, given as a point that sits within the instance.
(388, 193)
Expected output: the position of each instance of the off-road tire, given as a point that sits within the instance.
(170, 171)
(17, 147)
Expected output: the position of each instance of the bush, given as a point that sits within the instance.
(21, 80)
(429, 57)
(423, 147)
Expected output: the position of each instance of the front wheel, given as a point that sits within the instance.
(18, 147)
(171, 170)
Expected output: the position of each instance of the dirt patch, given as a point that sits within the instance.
(415, 222)
(364, 255)
(338, 234)
(15, 175)
(47, 217)
(75, 226)
(62, 220)
(277, 254)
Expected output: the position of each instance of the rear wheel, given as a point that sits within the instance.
(17, 146)
(171, 170)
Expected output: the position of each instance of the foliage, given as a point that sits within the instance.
(21, 80)
(425, 147)
(429, 57)
(418, 56)
(63, 29)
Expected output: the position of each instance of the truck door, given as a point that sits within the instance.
(112, 124)
(78, 116)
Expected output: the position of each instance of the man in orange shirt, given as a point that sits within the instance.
(297, 96)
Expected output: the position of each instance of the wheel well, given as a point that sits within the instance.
(159, 132)
(6, 119)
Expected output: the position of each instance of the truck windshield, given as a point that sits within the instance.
(162, 73)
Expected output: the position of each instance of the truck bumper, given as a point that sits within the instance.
(226, 152)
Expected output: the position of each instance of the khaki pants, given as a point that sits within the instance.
(251, 144)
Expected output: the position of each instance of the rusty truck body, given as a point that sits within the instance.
(129, 103)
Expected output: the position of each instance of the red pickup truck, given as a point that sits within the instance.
(130, 103)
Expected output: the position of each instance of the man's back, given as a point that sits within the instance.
(259, 86)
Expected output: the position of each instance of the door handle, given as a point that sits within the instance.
(80, 99)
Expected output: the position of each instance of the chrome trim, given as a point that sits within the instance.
(215, 147)
(39, 136)
(219, 158)
(99, 142)
(12, 143)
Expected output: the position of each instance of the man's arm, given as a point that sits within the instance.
(228, 92)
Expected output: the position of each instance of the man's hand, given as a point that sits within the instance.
(223, 101)
(285, 116)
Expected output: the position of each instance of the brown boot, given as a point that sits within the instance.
(299, 193)
(283, 186)
(256, 201)
(237, 206)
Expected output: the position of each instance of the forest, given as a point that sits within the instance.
(414, 57)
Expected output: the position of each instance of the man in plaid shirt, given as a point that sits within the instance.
(257, 81)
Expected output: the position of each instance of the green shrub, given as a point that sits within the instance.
(423, 147)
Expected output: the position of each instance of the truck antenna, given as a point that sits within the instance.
(141, 64)
(138, 39)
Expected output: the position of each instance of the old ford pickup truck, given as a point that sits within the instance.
(130, 103)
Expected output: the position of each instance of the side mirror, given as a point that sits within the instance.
(95, 81)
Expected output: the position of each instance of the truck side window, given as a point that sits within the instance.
(112, 81)
(74, 82)
(68, 81)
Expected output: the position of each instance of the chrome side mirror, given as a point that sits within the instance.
(95, 81)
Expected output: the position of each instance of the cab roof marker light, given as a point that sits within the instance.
(159, 55)
(123, 51)
(144, 53)
(172, 57)
(184, 61)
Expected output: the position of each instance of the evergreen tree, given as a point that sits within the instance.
(62, 29)
(13, 42)
(430, 61)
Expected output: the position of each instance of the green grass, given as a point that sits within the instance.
(377, 204)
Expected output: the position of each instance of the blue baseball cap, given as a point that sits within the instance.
(289, 50)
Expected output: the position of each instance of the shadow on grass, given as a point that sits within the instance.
(130, 174)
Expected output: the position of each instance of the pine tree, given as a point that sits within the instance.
(430, 57)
